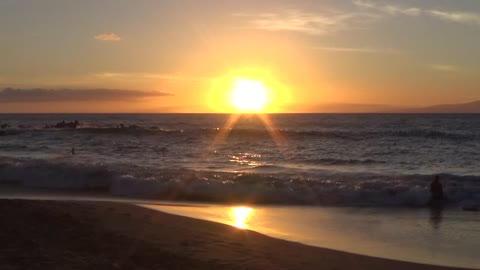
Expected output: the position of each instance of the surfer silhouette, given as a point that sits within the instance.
(436, 189)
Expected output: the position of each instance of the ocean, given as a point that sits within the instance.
(287, 159)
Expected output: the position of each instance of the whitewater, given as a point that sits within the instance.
(323, 159)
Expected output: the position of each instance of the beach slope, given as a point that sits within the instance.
(101, 235)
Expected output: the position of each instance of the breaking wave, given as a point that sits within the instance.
(327, 188)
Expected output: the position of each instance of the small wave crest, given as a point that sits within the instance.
(369, 134)
(334, 161)
(254, 132)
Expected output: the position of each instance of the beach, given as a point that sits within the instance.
(105, 235)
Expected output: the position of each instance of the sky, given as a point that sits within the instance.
(170, 55)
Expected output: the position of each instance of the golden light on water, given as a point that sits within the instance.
(240, 216)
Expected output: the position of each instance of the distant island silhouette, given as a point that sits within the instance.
(470, 107)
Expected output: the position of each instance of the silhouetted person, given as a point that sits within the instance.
(436, 189)
(73, 151)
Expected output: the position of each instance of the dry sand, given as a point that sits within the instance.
(99, 235)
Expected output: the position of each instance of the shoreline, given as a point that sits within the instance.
(112, 235)
(15, 191)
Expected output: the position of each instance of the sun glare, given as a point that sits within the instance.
(247, 91)
(249, 95)
(240, 216)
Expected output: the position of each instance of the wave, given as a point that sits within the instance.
(368, 134)
(327, 188)
(334, 161)
(253, 132)
(9, 132)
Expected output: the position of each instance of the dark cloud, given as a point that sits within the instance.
(73, 95)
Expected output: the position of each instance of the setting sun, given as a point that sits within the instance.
(249, 95)
(247, 90)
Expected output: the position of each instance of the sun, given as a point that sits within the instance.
(247, 90)
(249, 95)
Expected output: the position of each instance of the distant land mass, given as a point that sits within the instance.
(470, 107)
(346, 108)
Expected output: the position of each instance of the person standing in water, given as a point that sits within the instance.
(436, 189)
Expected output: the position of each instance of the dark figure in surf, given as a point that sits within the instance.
(73, 151)
(436, 189)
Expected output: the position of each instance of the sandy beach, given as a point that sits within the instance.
(102, 235)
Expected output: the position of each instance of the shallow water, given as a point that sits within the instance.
(441, 237)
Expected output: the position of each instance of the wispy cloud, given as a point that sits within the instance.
(140, 75)
(443, 67)
(357, 50)
(458, 17)
(392, 9)
(307, 23)
(74, 95)
(108, 37)
(388, 8)
(329, 22)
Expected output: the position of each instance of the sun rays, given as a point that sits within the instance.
(247, 92)
(224, 132)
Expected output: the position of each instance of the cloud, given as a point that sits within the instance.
(108, 37)
(155, 76)
(388, 8)
(139, 75)
(458, 17)
(307, 23)
(442, 67)
(74, 95)
(330, 22)
(357, 50)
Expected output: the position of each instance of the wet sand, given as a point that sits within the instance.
(102, 235)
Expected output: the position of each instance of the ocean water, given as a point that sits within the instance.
(312, 159)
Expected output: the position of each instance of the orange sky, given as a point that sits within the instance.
(170, 56)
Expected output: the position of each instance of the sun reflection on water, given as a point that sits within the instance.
(240, 216)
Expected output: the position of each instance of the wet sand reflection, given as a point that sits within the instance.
(240, 216)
